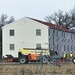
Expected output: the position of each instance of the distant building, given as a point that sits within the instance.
(32, 33)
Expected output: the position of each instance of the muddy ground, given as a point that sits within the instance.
(37, 69)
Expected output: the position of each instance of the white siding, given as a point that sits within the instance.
(25, 36)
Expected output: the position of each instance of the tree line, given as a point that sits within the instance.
(65, 19)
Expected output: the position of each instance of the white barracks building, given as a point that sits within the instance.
(32, 33)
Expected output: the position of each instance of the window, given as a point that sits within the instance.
(68, 48)
(49, 46)
(38, 32)
(49, 32)
(67, 35)
(74, 37)
(74, 47)
(56, 33)
(71, 48)
(38, 46)
(63, 34)
(64, 47)
(12, 47)
(11, 33)
(71, 36)
(57, 46)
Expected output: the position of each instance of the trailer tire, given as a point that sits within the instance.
(73, 60)
(23, 60)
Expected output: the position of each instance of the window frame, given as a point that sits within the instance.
(11, 32)
(57, 33)
(12, 46)
(38, 32)
(38, 46)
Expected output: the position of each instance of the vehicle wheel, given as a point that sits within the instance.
(44, 61)
(73, 60)
(23, 60)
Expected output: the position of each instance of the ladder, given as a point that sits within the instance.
(51, 60)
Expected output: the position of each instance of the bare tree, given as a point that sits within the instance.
(55, 18)
(4, 20)
(72, 13)
(66, 20)
(11, 19)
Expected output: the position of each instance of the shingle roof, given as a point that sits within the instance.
(53, 26)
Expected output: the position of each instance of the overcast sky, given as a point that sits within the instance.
(34, 8)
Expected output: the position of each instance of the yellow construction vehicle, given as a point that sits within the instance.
(26, 54)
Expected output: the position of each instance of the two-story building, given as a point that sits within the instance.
(23, 33)
(32, 33)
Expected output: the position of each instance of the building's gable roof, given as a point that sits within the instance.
(44, 23)
(54, 26)
(12, 23)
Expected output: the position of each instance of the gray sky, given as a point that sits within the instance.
(34, 8)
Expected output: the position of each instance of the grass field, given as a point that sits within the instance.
(36, 69)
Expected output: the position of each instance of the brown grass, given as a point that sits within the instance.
(35, 69)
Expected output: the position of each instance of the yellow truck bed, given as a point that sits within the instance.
(27, 51)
